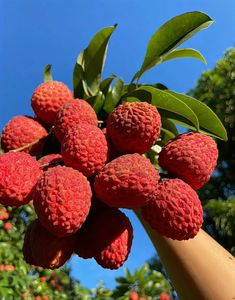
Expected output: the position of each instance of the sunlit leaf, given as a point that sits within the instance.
(170, 35)
(208, 120)
(185, 53)
(113, 96)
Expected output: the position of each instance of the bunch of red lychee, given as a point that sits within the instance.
(77, 193)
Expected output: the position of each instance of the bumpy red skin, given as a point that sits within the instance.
(175, 210)
(21, 131)
(127, 181)
(45, 250)
(191, 157)
(48, 98)
(134, 127)
(62, 200)
(19, 173)
(50, 161)
(71, 114)
(113, 238)
(84, 148)
(107, 236)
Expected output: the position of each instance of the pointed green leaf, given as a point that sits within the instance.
(208, 121)
(113, 96)
(168, 105)
(80, 58)
(169, 126)
(97, 102)
(78, 90)
(106, 84)
(184, 53)
(168, 130)
(94, 57)
(47, 73)
(170, 35)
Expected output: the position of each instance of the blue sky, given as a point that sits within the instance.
(35, 33)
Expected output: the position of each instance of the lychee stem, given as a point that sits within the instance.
(33, 143)
(28, 145)
(59, 161)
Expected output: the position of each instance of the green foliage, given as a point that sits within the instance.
(146, 282)
(170, 36)
(104, 95)
(184, 53)
(223, 215)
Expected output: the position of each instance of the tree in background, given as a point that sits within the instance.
(216, 88)
(142, 284)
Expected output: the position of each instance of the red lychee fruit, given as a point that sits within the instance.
(45, 298)
(38, 298)
(24, 296)
(112, 238)
(44, 249)
(191, 157)
(19, 172)
(164, 296)
(71, 114)
(85, 148)
(8, 226)
(174, 210)
(127, 181)
(134, 127)
(43, 279)
(21, 131)
(49, 161)
(27, 253)
(133, 295)
(107, 236)
(62, 200)
(48, 98)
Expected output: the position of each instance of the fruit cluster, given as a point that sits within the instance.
(77, 193)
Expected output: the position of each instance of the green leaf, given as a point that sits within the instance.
(170, 126)
(94, 57)
(168, 105)
(78, 75)
(106, 84)
(208, 121)
(47, 73)
(184, 53)
(170, 35)
(114, 96)
(97, 102)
